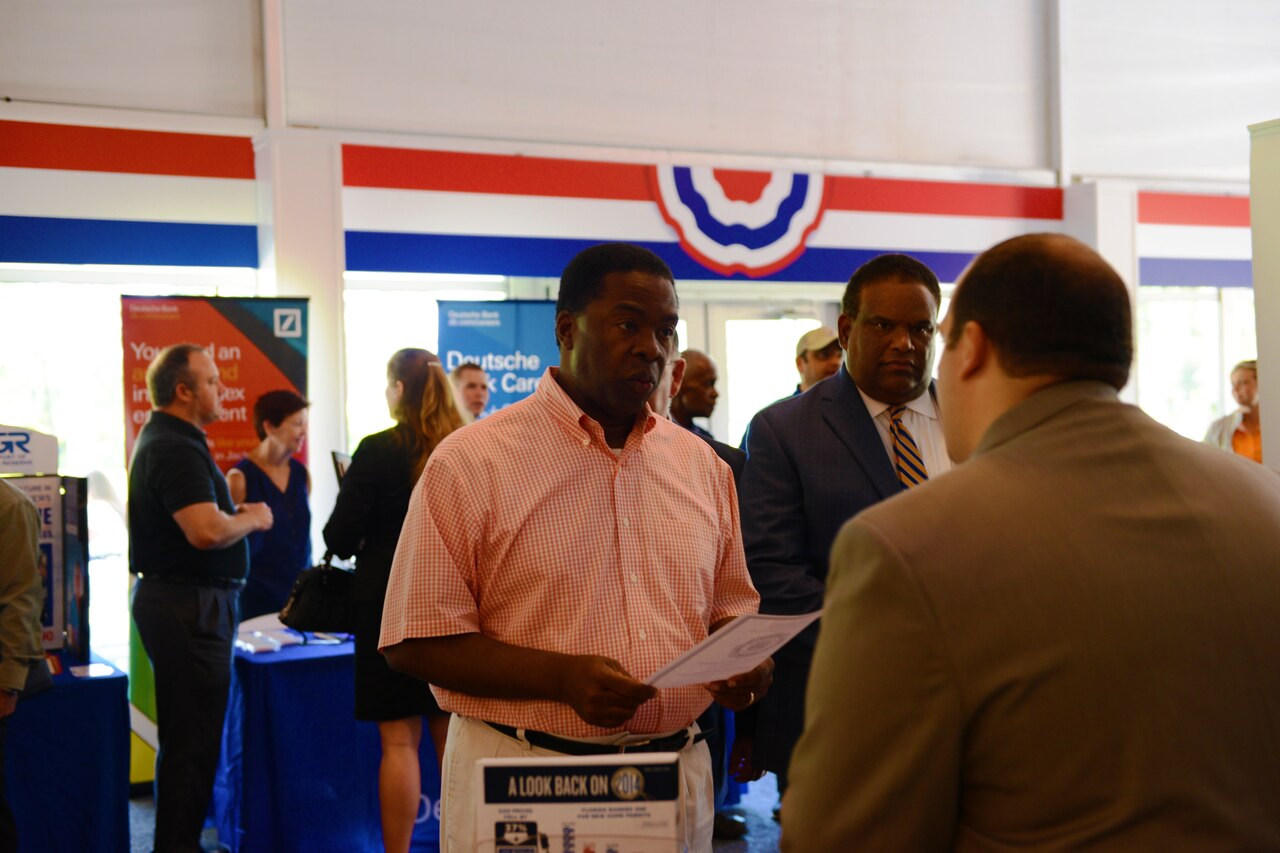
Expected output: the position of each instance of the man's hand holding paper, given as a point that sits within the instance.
(742, 691)
(720, 661)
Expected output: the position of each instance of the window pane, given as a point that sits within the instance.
(1178, 357)
(378, 323)
(763, 356)
(1239, 334)
(61, 372)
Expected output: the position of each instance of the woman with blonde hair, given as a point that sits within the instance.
(366, 522)
(1241, 431)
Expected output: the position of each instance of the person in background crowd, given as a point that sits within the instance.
(21, 597)
(565, 548)
(187, 546)
(813, 460)
(818, 355)
(697, 397)
(366, 522)
(1241, 431)
(715, 720)
(1088, 657)
(269, 474)
(471, 384)
(663, 399)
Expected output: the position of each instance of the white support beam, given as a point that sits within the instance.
(1104, 215)
(273, 84)
(1264, 215)
(1057, 75)
(300, 243)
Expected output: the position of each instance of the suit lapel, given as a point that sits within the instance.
(847, 415)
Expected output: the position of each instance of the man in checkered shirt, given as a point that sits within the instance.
(559, 552)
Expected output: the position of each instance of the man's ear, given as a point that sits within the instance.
(973, 351)
(183, 393)
(844, 323)
(565, 326)
(677, 375)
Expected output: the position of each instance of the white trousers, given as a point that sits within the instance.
(470, 740)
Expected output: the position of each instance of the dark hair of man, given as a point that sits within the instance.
(462, 368)
(170, 369)
(1051, 306)
(583, 278)
(892, 267)
(273, 407)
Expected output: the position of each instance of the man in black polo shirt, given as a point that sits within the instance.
(186, 545)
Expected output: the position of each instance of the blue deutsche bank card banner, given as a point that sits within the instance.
(514, 342)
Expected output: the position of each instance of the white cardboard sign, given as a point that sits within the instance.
(625, 803)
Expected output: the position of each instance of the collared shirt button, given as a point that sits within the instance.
(626, 523)
(586, 442)
(635, 578)
(643, 634)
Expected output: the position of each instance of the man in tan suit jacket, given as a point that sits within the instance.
(1071, 641)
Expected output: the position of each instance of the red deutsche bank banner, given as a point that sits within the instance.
(258, 344)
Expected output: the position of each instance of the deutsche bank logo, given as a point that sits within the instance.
(288, 322)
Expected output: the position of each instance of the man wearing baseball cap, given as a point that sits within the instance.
(818, 356)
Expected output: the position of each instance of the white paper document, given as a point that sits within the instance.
(265, 634)
(736, 648)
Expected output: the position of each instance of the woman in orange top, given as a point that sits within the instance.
(1241, 431)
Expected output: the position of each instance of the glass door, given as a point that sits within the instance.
(754, 346)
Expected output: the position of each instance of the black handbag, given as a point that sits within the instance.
(322, 599)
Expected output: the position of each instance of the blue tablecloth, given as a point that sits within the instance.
(67, 765)
(298, 772)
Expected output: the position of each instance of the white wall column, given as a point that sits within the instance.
(1104, 215)
(300, 242)
(1264, 216)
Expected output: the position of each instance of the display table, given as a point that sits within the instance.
(298, 772)
(67, 764)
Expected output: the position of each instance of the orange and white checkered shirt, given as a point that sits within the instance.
(526, 526)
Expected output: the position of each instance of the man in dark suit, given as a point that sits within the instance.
(1088, 658)
(816, 459)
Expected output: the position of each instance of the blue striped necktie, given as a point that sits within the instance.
(911, 470)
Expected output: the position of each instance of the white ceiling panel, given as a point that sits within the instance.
(917, 82)
(1167, 88)
(182, 56)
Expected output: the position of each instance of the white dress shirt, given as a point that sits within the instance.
(923, 422)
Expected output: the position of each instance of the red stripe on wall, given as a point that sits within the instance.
(889, 195)
(450, 171)
(1184, 209)
(32, 145)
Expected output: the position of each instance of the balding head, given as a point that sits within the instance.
(1051, 306)
(697, 395)
(1030, 312)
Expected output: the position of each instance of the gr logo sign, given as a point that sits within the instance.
(288, 322)
(12, 443)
